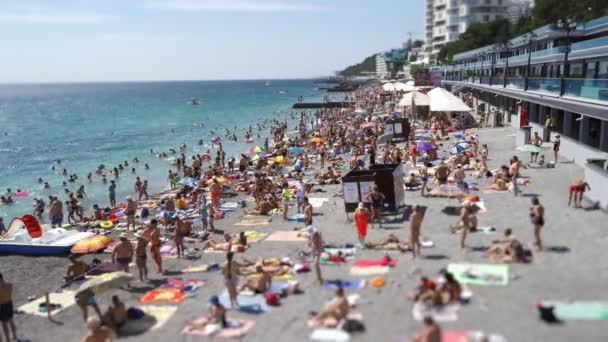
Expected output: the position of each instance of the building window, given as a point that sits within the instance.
(590, 69)
(488, 2)
(499, 2)
(575, 126)
(602, 70)
(486, 18)
(576, 70)
(595, 128)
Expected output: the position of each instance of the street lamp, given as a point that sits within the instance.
(530, 36)
(506, 47)
(493, 65)
(568, 25)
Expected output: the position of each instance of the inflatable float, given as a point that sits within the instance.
(25, 236)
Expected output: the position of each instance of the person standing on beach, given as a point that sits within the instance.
(464, 224)
(556, 145)
(216, 192)
(361, 218)
(182, 230)
(56, 212)
(138, 184)
(153, 235)
(286, 194)
(537, 213)
(123, 252)
(231, 271)
(376, 198)
(415, 224)
(144, 190)
(6, 309)
(307, 208)
(130, 212)
(316, 243)
(112, 193)
(141, 256)
(300, 193)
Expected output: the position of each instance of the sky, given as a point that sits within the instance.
(145, 40)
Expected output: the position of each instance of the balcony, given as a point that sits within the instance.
(587, 88)
(516, 82)
(590, 44)
(593, 24)
(485, 80)
(497, 81)
(548, 85)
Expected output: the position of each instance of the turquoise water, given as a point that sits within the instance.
(85, 125)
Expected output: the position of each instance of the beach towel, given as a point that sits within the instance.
(368, 271)
(296, 217)
(255, 304)
(465, 335)
(344, 250)
(169, 295)
(480, 274)
(329, 335)
(485, 230)
(384, 261)
(254, 236)
(154, 318)
(186, 286)
(579, 310)
(63, 300)
(445, 313)
(317, 202)
(236, 328)
(201, 268)
(285, 236)
(253, 221)
(345, 284)
(391, 246)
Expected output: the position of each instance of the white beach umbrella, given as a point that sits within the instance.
(444, 101)
(388, 87)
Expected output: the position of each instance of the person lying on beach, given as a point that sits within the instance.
(335, 311)
(76, 271)
(499, 184)
(260, 282)
(508, 250)
(450, 290)
(391, 242)
(239, 241)
(217, 315)
(425, 286)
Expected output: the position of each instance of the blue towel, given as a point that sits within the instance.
(247, 304)
(296, 217)
(345, 284)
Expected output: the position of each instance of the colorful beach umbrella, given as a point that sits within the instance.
(255, 149)
(91, 245)
(423, 146)
(106, 282)
(529, 148)
(316, 140)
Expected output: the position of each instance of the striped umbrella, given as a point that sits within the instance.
(105, 282)
(255, 149)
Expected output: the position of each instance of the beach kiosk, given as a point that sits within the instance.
(399, 127)
(357, 184)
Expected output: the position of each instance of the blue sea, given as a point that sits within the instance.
(85, 125)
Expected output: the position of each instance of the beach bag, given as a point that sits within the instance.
(135, 314)
(353, 326)
(272, 298)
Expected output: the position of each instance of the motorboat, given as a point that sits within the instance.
(25, 236)
(268, 83)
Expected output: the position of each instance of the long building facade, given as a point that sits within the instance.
(553, 80)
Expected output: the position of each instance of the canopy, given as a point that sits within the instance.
(420, 99)
(388, 87)
(444, 101)
(404, 86)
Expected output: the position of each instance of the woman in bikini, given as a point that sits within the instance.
(537, 213)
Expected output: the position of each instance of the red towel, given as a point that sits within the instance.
(384, 261)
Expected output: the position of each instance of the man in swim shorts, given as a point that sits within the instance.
(112, 193)
(56, 212)
(6, 309)
(123, 252)
(130, 212)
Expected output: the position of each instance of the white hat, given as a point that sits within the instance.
(123, 236)
(361, 206)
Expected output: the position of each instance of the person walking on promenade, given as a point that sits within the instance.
(361, 219)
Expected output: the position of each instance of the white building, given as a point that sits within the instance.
(381, 67)
(445, 20)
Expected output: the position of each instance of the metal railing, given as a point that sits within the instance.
(595, 89)
(549, 85)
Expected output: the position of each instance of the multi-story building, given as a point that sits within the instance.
(445, 20)
(381, 68)
(554, 80)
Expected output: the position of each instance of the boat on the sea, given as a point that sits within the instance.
(194, 102)
(268, 83)
(25, 236)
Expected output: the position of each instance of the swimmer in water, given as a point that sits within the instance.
(53, 167)
(104, 179)
(46, 185)
(133, 170)
(147, 167)
(40, 180)
(126, 163)
(90, 177)
(135, 160)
